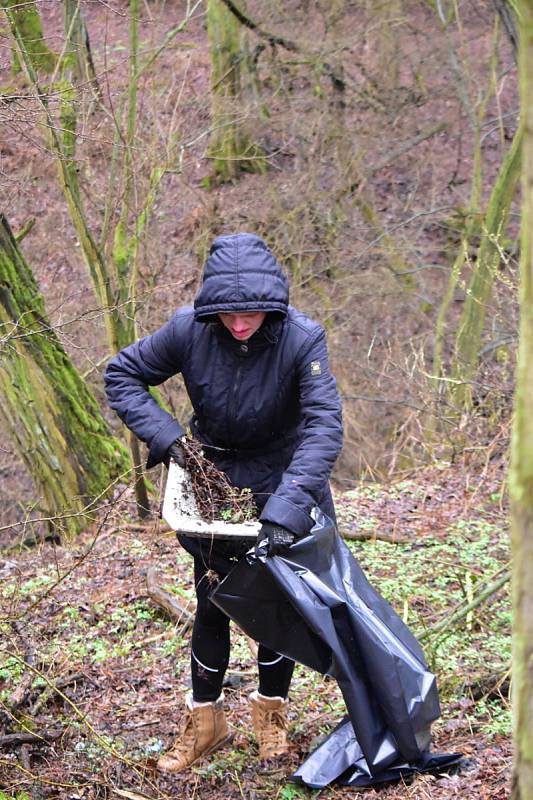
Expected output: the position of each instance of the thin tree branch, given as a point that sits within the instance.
(451, 619)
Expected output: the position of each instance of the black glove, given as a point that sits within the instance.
(279, 539)
(175, 452)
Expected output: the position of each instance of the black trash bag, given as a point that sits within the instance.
(316, 607)
(339, 758)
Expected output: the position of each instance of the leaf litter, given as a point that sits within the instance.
(120, 668)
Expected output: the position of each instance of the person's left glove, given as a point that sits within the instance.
(279, 539)
(175, 452)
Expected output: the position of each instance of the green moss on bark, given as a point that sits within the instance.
(54, 418)
(231, 148)
(25, 18)
(479, 290)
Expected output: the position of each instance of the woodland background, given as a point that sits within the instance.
(375, 146)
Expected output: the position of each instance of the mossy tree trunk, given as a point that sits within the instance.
(123, 266)
(111, 255)
(486, 225)
(25, 18)
(113, 275)
(53, 417)
(479, 289)
(521, 475)
(78, 56)
(114, 278)
(230, 147)
(470, 230)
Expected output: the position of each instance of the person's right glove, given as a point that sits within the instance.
(279, 539)
(175, 452)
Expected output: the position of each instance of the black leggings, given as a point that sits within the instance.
(211, 646)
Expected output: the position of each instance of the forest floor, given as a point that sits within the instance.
(109, 670)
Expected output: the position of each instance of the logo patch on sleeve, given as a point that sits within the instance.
(316, 369)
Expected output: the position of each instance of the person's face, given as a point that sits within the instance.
(242, 326)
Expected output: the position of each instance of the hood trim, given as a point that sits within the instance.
(206, 313)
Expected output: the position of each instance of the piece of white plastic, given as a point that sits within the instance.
(181, 512)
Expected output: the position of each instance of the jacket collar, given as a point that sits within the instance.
(267, 335)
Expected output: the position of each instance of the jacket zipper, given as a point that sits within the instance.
(233, 404)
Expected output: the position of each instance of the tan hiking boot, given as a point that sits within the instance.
(205, 730)
(269, 720)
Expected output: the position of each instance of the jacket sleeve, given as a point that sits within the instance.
(305, 478)
(147, 362)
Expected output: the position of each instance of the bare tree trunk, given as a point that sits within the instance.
(471, 229)
(79, 55)
(53, 417)
(489, 228)
(123, 264)
(230, 147)
(507, 13)
(113, 279)
(521, 475)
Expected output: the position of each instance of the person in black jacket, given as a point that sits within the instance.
(266, 408)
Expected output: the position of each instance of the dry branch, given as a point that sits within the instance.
(495, 683)
(18, 696)
(16, 739)
(215, 496)
(396, 152)
(249, 23)
(370, 536)
(452, 619)
(292, 47)
(129, 795)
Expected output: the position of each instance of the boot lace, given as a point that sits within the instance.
(185, 744)
(273, 733)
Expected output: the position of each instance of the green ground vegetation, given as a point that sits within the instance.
(124, 633)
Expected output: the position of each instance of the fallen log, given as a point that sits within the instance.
(175, 610)
(166, 601)
(17, 739)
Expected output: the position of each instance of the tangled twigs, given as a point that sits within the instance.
(215, 497)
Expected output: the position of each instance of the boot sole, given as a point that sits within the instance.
(229, 738)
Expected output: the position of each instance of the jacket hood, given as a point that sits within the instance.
(240, 275)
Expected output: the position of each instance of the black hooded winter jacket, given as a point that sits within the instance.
(267, 409)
